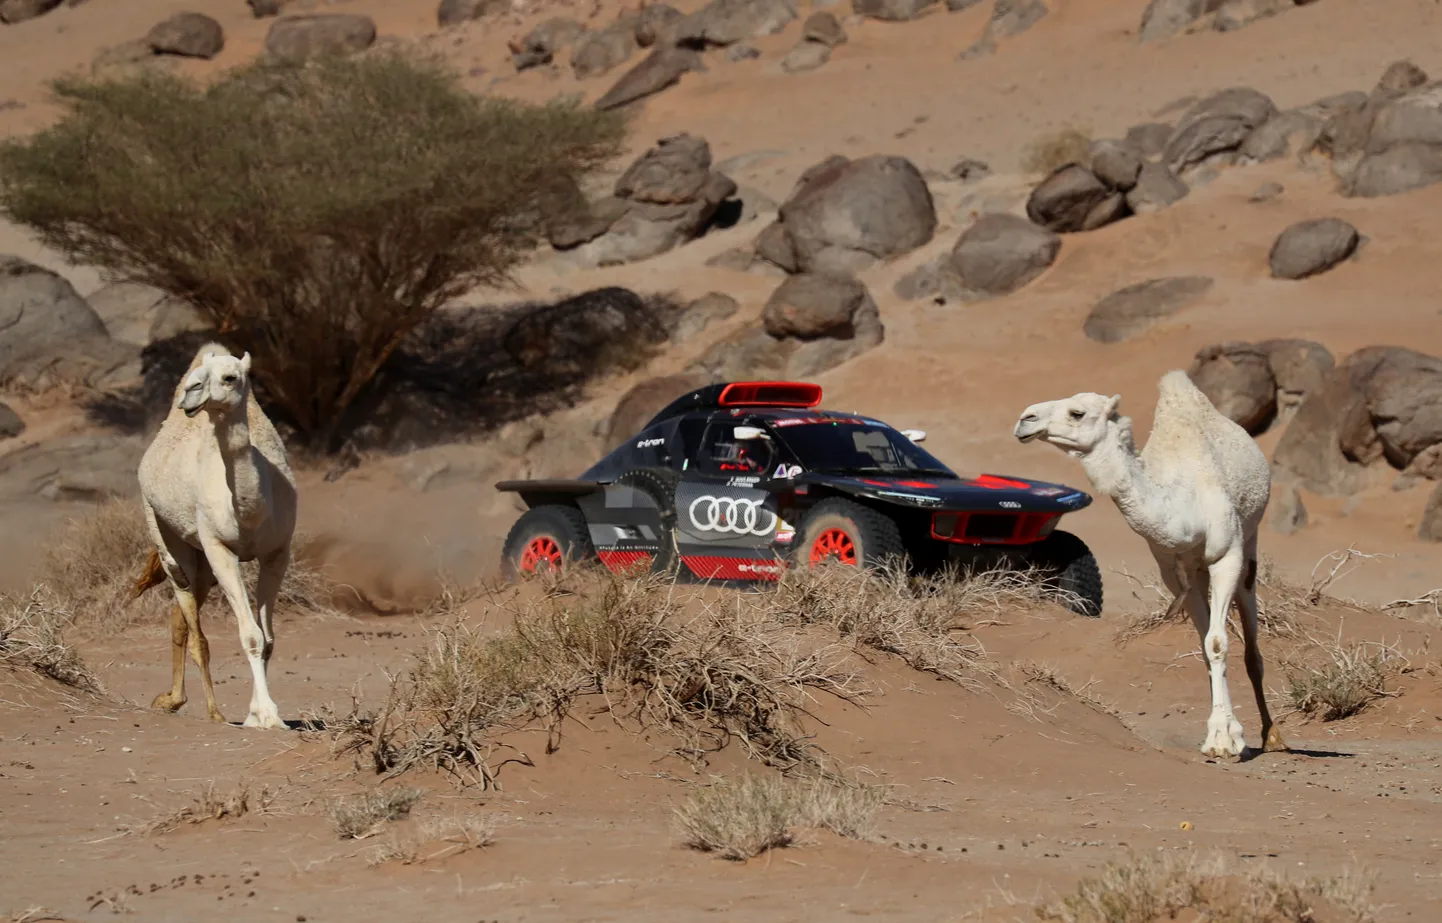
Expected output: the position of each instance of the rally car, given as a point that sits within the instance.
(739, 480)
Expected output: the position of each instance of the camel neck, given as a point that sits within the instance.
(242, 466)
(1117, 472)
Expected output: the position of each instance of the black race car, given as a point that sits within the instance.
(739, 480)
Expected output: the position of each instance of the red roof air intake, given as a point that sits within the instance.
(770, 394)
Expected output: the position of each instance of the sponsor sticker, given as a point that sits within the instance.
(785, 531)
(759, 568)
(1048, 491)
(645, 443)
(919, 498)
(742, 481)
(1009, 504)
(784, 470)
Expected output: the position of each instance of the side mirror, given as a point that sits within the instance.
(750, 432)
(915, 435)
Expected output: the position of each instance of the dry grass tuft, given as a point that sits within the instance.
(93, 564)
(1042, 677)
(32, 636)
(1338, 682)
(458, 833)
(363, 815)
(707, 679)
(1143, 889)
(1066, 145)
(211, 805)
(738, 820)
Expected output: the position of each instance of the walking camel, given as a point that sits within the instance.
(218, 490)
(1196, 493)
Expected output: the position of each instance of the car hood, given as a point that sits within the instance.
(989, 492)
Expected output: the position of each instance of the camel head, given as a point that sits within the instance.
(1075, 424)
(219, 383)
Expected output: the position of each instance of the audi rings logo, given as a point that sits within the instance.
(728, 514)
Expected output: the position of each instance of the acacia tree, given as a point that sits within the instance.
(315, 212)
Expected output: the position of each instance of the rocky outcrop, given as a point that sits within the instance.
(1310, 247)
(312, 35)
(13, 11)
(711, 308)
(1130, 310)
(999, 254)
(726, 22)
(595, 53)
(890, 10)
(660, 69)
(664, 199)
(1165, 18)
(1254, 384)
(539, 46)
(1211, 132)
(642, 402)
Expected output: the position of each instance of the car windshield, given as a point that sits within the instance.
(847, 447)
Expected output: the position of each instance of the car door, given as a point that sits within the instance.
(725, 524)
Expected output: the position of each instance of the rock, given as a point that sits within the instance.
(1309, 247)
(174, 318)
(660, 69)
(1402, 390)
(576, 226)
(10, 423)
(1165, 18)
(50, 336)
(1299, 367)
(807, 306)
(853, 214)
(658, 24)
(596, 53)
(1000, 253)
(1157, 187)
(969, 170)
(1072, 199)
(1412, 118)
(1237, 379)
(642, 402)
(73, 468)
(1149, 139)
(1283, 133)
(129, 310)
(673, 171)
(1425, 465)
(726, 22)
(1288, 515)
(742, 52)
(1234, 14)
(824, 28)
(260, 9)
(806, 56)
(710, 308)
(1266, 192)
(313, 35)
(455, 12)
(190, 35)
(1216, 125)
(956, 6)
(13, 11)
(1130, 310)
(924, 281)
(1401, 169)
(1430, 528)
(774, 246)
(1310, 450)
(890, 10)
(1116, 163)
(540, 45)
(1013, 17)
(1400, 77)
(754, 203)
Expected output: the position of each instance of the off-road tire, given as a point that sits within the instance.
(874, 537)
(563, 525)
(1071, 567)
(660, 485)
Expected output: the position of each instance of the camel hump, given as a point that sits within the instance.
(1181, 397)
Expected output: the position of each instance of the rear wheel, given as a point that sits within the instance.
(660, 485)
(846, 532)
(1071, 567)
(546, 538)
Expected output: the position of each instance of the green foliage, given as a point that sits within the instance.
(315, 212)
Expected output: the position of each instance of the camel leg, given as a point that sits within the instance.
(226, 567)
(183, 567)
(199, 646)
(1247, 605)
(179, 632)
(267, 588)
(1225, 739)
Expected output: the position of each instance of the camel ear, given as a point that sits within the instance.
(1112, 404)
(245, 363)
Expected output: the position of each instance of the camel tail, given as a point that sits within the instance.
(152, 576)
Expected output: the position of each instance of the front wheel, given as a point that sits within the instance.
(846, 532)
(1070, 567)
(546, 538)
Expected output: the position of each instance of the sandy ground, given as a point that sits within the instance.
(1029, 804)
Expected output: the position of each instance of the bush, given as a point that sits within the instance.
(315, 213)
(741, 819)
(1050, 151)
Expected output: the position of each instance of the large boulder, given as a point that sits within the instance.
(1237, 379)
(824, 28)
(643, 401)
(658, 24)
(726, 22)
(190, 35)
(130, 310)
(890, 10)
(807, 306)
(13, 11)
(595, 53)
(539, 46)
(806, 56)
(1130, 310)
(1000, 253)
(1073, 199)
(50, 336)
(1309, 247)
(1300, 368)
(455, 12)
(1165, 18)
(660, 69)
(1116, 163)
(1294, 130)
(1212, 130)
(711, 308)
(312, 35)
(76, 468)
(1156, 188)
(1403, 393)
(854, 213)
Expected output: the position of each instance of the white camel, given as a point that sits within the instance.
(217, 491)
(1196, 493)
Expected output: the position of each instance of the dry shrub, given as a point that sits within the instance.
(1145, 889)
(32, 637)
(738, 820)
(208, 804)
(93, 563)
(1036, 677)
(363, 815)
(459, 833)
(707, 679)
(1337, 682)
(1056, 149)
(922, 620)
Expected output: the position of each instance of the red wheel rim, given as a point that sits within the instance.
(541, 553)
(833, 544)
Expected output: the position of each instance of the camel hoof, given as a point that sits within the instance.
(163, 702)
(1275, 743)
(217, 717)
(269, 721)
